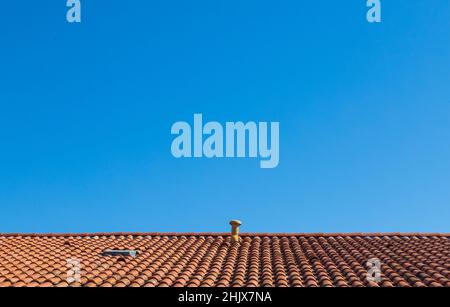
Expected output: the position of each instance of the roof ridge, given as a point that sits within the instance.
(216, 234)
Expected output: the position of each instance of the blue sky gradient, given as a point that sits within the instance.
(86, 112)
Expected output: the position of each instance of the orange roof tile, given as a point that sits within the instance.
(208, 259)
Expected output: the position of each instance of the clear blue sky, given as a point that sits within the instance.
(86, 111)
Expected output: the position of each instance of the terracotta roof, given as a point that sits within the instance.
(208, 259)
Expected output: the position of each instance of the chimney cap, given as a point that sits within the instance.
(235, 223)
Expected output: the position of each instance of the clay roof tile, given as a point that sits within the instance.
(209, 259)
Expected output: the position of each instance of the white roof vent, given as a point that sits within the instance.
(120, 252)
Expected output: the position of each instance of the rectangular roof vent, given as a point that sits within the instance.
(119, 252)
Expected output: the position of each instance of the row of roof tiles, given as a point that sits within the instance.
(265, 260)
